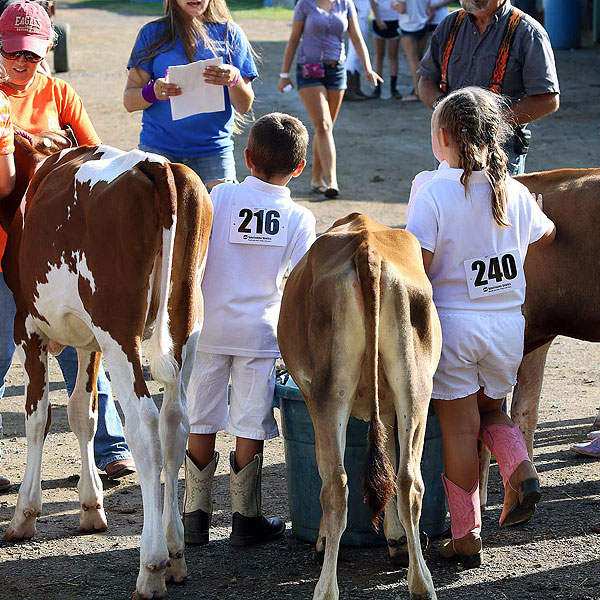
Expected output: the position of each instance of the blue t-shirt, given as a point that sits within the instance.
(202, 134)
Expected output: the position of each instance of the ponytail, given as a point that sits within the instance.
(477, 121)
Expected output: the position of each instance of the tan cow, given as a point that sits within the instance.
(360, 336)
(563, 287)
(107, 247)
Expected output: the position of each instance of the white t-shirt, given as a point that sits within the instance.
(415, 18)
(258, 232)
(459, 229)
(439, 15)
(386, 12)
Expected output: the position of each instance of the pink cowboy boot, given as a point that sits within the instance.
(521, 483)
(465, 523)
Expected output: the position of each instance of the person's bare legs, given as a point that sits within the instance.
(410, 45)
(393, 46)
(379, 45)
(460, 423)
(245, 451)
(323, 107)
(201, 447)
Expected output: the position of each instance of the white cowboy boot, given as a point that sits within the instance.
(249, 526)
(197, 502)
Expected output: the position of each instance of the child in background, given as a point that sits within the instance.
(474, 224)
(258, 233)
(385, 28)
(413, 27)
(437, 11)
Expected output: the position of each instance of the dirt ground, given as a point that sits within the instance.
(381, 146)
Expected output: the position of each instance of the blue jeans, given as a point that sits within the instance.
(7, 347)
(214, 167)
(109, 442)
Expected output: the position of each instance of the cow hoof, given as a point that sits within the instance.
(22, 530)
(426, 596)
(177, 571)
(398, 552)
(137, 595)
(398, 549)
(152, 592)
(92, 519)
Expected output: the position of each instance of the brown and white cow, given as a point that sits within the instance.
(107, 246)
(360, 336)
(563, 286)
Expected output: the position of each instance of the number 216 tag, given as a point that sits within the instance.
(494, 274)
(262, 226)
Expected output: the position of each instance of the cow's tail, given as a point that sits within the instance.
(163, 365)
(378, 476)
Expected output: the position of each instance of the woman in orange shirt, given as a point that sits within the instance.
(7, 307)
(41, 103)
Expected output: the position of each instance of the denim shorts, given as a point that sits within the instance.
(335, 77)
(214, 167)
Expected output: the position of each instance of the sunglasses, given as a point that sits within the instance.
(30, 57)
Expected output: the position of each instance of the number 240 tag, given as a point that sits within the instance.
(494, 274)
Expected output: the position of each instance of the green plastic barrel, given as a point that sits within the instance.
(304, 483)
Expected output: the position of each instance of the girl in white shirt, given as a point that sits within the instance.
(413, 20)
(474, 224)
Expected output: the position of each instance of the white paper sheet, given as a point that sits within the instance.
(198, 96)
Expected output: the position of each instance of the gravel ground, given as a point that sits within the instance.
(381, 146)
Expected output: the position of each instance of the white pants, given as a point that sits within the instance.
(363, 8)
(250, 411)
(478, 351)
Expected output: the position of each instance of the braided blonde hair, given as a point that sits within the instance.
(479, 123)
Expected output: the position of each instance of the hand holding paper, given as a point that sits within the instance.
(197, 96)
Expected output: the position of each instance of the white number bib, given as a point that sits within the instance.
(494, 274)
(256, 225)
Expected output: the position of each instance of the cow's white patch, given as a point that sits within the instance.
(113, 163)
(58, 301)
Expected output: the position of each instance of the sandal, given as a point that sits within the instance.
(332, 193)
(318, 189)
(591, 449)
(411, 98)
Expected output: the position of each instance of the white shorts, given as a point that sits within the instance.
(478, 351)
(250, 411)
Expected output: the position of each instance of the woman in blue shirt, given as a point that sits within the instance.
(188, 32)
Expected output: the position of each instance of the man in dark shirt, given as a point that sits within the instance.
(530, 84)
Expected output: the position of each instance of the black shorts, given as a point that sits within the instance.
(390, 33)
(416, 34)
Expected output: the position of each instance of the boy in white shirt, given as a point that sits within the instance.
(258, 233)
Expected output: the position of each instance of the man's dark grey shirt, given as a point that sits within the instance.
(531, 69)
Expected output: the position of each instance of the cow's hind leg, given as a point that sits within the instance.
(330, 419)
(83, 419)
(394, 532)
(410, 489)
(141, 433)
(174, 428)
(34, 356)
(526, 396)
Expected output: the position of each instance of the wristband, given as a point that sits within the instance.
(235, 81)
(437, 100)
(148, 93)
(284, 75)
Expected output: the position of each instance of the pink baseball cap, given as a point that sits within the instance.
(25, 26)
